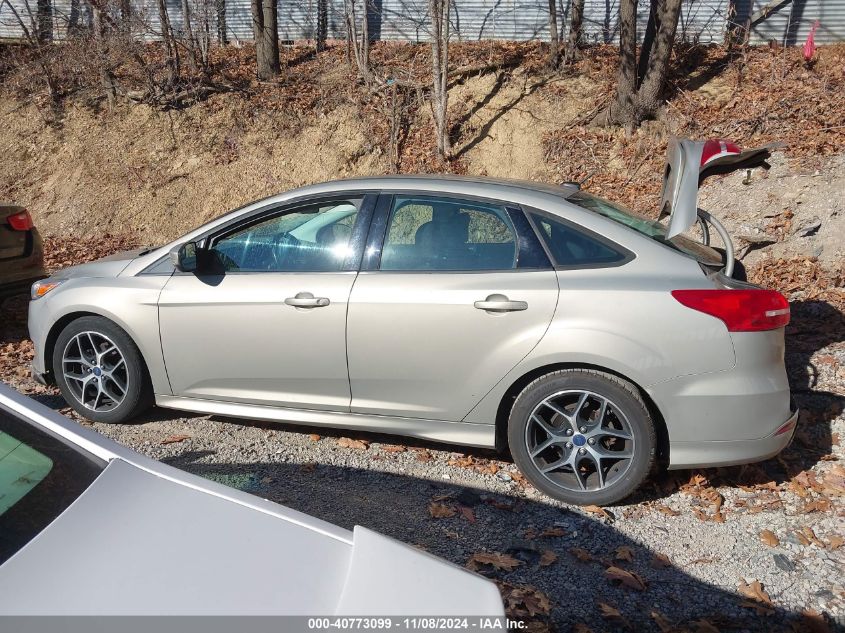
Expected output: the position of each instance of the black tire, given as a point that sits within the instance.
(139, 392)
(623, 396)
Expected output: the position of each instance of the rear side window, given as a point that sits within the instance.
(429, 233)
(571, 247)
(40, 477)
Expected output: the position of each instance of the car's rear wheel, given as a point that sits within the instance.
(582, 436)
(100, 371)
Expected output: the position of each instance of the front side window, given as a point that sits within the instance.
(571, 247)
(40, 477)
(311, 238)
(430, 233)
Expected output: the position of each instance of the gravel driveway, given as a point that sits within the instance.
(757, 548)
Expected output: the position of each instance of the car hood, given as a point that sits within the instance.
(110, 266)
(689, 164)
(139, 543)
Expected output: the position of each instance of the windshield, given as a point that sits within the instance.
(40, 476)
(650, 228)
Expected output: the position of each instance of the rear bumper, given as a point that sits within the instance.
(706, 454)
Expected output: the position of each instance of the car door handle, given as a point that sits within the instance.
(307, 300)
(500, 303)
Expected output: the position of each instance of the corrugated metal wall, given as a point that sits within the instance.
(701, 20)
(790, 24)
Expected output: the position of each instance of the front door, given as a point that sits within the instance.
(454, 304)
(266, 324)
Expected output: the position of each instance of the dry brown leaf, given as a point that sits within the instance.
(660, 561)
(547, 558)
(494, 559)
(467, 513)
(314, 437)
(626, 578)
(608, 612)
(769, 538)
(754, 591)
(552, 532)
(599, 511)
(814, 622)
(835, 542)
(668, 511)
(623, 552)
(173, 439)
(440, 510)
(581, 554)
(346, 442)
(393, 448)
(662, 623)
(424, 456)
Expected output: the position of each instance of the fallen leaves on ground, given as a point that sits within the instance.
(523, 600)
(467, 513)
(611, 613)
(623, 552)
(441, 510)
(173, 439)
(581, 554)
(314, 437)
(393, 448)
(757, 598)
(660, 561)
(504, 562)
(600, 512)
(547, 558)
(626, 578)
(769, 538)
(358, 445)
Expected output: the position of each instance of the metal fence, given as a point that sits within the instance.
(703, 21)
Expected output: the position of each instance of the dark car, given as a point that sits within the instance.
(21, 251)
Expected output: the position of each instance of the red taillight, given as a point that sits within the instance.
(742, 310)
(20, 221)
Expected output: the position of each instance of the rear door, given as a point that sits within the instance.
(688, 164)
(452, 294)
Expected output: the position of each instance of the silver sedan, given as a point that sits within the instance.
(591, 342)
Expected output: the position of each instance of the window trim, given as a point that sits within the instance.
(627, 255)
(381, 220)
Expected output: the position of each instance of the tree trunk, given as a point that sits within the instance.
(322, 25)
(640, 84)
(170, 51)
(220, 9)
(439, 10)
(360, 43)
(106, 76)
(44, 21)
(554, 37)
(188, 33)
(266, 33)
(576, 23)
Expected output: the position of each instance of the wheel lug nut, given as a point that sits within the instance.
(569, 431)
(583, 429)
(582, 451)
(591, 441)
(569, 445)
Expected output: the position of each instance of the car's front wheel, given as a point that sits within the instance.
(582, 436)
(100, 371)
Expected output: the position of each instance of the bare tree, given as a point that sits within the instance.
(554, 36)
(101, 38)
(640, 83)
(322, 25)
(359, 42)
(222, 34)
(171, 53)
(576, 26)
(44, 24)
(265, 29)
(439, 10)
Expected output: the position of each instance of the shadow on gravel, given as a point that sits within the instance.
(576, 582)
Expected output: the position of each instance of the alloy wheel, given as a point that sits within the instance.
(95, 371)
(579, 440)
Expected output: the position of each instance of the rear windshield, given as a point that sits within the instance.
(650, 228)
(40, 476)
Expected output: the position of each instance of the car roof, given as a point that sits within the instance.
(409, 181)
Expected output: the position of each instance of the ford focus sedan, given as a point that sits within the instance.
(590, 341)
(88, 527)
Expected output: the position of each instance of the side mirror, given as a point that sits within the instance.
(184, 257)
